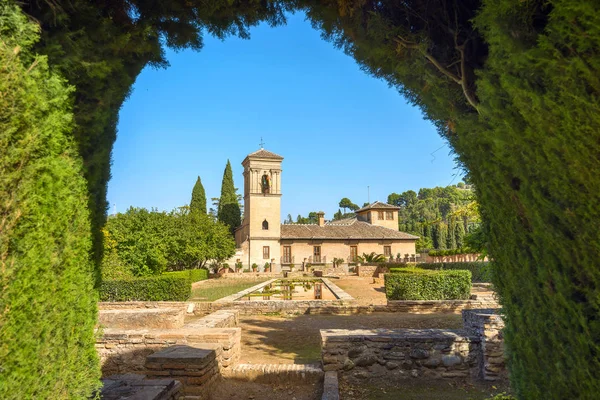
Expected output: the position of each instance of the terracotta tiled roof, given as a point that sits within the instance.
(343, 229)
(378, 206)
(262, 153)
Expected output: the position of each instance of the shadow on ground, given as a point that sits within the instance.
(283, 340)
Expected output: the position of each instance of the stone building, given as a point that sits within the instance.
(262, 238)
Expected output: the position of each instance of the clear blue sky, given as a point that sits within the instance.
(339, 129)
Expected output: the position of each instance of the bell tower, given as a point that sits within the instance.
(260, 232)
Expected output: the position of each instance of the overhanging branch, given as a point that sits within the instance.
(462, 80)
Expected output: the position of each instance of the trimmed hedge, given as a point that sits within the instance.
(155, 288)
(194, 275)
(480, 271)
(417, 284)
(48, 305)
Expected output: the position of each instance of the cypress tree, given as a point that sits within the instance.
(459, 234)
(229, 209)
(442, 234)
(198, 202)
(451, 238)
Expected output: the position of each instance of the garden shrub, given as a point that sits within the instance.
(417, 284)
(153, 288)
(47, 302)
(194, 275)
(480, 271)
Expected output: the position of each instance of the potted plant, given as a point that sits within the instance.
(254, 267)
(238, 266)
(267, 267)
(291, 267)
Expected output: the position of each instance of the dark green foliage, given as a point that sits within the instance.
(229, 208)
(430, 211)
(47, 301)
(416, 284)
(194, 275)
(346, 203)
(101, 47)
(480, 271)
(141, 242)
(198, 201)
(150, 288)
(459, 235)
(515, 96)
(311, 219)
(539, 192)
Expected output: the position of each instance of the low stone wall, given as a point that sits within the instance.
(140, 318)
(371, 270)
(343, 307)
(474, 352)
(219, 319)
(125, 351)
(488, 325)
(366, 270)
(134, 305)
(429, 353)
(196, 368)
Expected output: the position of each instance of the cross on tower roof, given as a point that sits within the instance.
(262, 143)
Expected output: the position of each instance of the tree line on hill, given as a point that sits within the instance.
(143, 242)
(445, 218)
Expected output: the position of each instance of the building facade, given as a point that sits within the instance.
(263, 239)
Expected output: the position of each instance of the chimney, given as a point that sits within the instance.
(321, 217)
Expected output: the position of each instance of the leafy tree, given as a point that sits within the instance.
(198, 202)
(311, 219)
(47, 303)
(229, 208)
(196, 239)
(346, 203)
(424, 243)
(141, 240)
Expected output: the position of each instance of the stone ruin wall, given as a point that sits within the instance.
(475, 352)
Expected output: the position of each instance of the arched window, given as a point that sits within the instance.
(265, 225)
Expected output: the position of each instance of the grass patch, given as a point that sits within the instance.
(215, 289)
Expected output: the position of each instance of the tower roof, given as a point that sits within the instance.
(262, 153)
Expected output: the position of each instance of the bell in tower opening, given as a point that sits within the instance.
(266, 184)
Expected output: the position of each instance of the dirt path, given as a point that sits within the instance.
(364, 291)
(296, 340)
